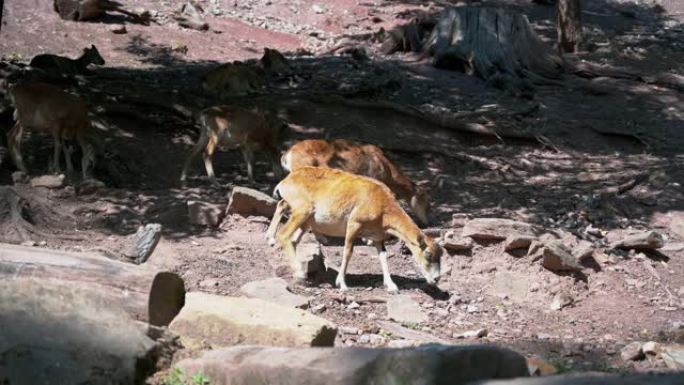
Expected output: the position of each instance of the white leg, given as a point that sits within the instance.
(386, 278)
(67, 147)
(352, 229)
(249, 159)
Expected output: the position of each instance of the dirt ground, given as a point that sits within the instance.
(593, 142)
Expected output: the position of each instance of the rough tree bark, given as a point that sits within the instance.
(19, 216)
(490, 41)
(145, 294)
(569, 25)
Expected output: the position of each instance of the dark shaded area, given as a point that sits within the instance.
(154, 109)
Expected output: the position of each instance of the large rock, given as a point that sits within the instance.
(227, 321)
(274, 290)
(424, 365)
(497, 229)
(59, 334)
(402, 308)
(246, 201)
(453, 242)
(593, 379)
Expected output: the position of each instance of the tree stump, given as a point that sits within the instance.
(569, 25)
(490, 41)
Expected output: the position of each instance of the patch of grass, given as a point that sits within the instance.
(561, 366)
(177, 377)
(411, 325)
(386, 334)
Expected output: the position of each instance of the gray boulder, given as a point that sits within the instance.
(424, 365)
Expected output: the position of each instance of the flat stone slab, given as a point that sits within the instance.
(226, 321)
(423, 365)
(402, 308)
(274, 290)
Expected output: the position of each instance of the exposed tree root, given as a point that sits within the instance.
(18, 215)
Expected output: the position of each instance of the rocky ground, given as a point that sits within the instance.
(607, 163)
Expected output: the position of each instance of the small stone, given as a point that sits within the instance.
(472, 308)
(48, 181)
(317, 8)
(651, 347)
(544, 336)
(349, 330)
(246, 201)
(320, 308)
(205, 214)
(210, 282)
(143, 242)
(557, 258)
(583, 250)
(310, 255)
(402, 344)
(403, 308)
(642, 240)
(89, 186)
(377, 339)
(371, 316)
(20, 177)
(591, 230)
(479, 333)
(518, 241)
(632, 352)
(561, 300)
(353, 305)
(118, 29)
(364, 339)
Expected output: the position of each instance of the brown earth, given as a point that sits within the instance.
(638, 297)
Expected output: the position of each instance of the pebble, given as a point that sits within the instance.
(472, 308)
(479, 333)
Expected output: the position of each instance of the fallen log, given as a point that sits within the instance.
(59, 333)
(147, 295)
